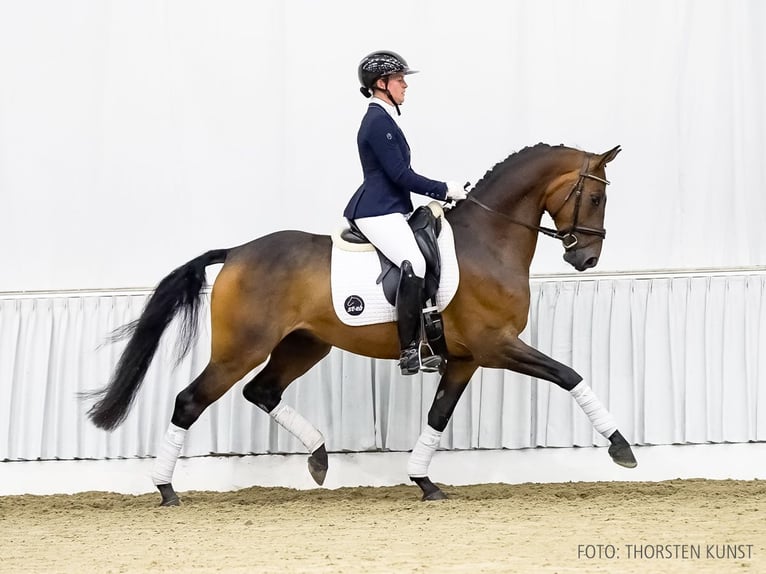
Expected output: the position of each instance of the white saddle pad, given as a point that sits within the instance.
(358, 300)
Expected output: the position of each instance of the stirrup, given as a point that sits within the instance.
(420, 358)
(429, 361)
(409, 361)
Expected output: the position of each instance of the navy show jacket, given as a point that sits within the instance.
(388, 177)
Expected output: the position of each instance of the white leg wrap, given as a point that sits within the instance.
(294, 423)
(167, 454)
(420, 458)
(602, 419)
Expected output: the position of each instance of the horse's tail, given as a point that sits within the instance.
(179, 291)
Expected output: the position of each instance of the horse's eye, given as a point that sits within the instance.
(595, 200)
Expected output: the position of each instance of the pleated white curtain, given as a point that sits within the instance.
(677, 359)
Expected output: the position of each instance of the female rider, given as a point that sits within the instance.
(381, 205)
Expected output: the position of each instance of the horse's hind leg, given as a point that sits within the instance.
(238, 346)
(290, 359)
(208, 387)
(520, 357)
(451, 387)
(244, 330)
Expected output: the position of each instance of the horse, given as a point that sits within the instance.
(272, 300)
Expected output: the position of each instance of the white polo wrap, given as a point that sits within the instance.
(294, 423)
(167, 454)
(420, 458)
(602, 419)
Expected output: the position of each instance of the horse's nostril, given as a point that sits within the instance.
(591, 262)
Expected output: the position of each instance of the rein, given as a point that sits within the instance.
(566, 236)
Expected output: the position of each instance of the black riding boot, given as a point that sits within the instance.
(409, 304)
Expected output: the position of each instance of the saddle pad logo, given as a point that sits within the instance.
(354, 305)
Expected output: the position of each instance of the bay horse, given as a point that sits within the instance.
(272, 300)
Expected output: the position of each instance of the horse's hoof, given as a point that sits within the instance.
(436, 495)
(169, 496)
(621, 452)
(430, 490)
(318, 465)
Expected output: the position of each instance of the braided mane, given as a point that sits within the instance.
(512, 161)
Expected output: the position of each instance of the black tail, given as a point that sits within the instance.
(178, 292)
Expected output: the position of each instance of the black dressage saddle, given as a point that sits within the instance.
(426, 227)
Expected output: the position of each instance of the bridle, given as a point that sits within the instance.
(567, 235)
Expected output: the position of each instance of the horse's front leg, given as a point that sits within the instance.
(520, 357)
(451, 387)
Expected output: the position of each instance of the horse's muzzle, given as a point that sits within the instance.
(581, 259)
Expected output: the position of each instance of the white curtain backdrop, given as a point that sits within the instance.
(676, 359)
(136, 134)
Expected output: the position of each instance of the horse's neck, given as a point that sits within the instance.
(519, 193)
(489, 246)
(517, 200)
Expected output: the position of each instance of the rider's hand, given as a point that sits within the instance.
(456, 191)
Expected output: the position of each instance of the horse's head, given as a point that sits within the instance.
(576, 202)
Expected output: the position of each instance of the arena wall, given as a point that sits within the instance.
(676, 359)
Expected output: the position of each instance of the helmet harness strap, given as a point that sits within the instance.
(390, 97)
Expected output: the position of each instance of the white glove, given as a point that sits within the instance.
(455, 191)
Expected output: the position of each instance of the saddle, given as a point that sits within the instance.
(426, 227)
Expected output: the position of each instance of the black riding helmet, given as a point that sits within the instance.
(380, 65)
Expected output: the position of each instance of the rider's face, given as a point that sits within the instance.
(396, 86)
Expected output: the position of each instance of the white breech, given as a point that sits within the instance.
(392, 235)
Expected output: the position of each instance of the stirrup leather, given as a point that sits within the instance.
(421, 356)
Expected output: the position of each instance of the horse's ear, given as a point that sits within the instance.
(608, 156)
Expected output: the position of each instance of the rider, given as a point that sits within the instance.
(381, 205)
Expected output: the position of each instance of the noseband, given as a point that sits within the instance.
(567, 235)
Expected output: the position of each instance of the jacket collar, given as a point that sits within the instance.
(386, 106)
